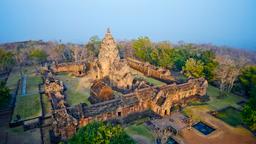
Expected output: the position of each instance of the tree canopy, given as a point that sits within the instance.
(92, 47)
(164, 55)
(193, 68)
(100, 133)
(38, 55)
(142, 47)
(248, 80)
(249, 113)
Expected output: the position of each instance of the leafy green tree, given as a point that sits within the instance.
(165, 57)
(248, 80)
(38, 55)
(92, 47)
(154, 57)
(249, 113)
(142, 47)
(180, 56)
(100, 133)
(148, 54)
(208, 59)
(193, 68)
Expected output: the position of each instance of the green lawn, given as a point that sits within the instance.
(75, 97)
(32, 84)
(33, 80)
(153, 81)
(47, 104)
(219, 103)
(13, 79)
(148, 79)
(78, 89)
(231, 116)
(27, 107)
(140, 130)
(189, 111)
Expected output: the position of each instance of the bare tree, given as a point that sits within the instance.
(227, 72)
(21, 56)
(78, 53)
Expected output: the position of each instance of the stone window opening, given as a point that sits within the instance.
(119, 114)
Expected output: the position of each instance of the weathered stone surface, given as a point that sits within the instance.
(100, 92)
(151, 71)
(78, 69)
(64, 124)
(108, 54)
(109, 64)
(120, 75)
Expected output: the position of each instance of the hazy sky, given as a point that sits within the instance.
(222, 22)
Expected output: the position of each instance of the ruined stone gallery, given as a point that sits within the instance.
(110, 75)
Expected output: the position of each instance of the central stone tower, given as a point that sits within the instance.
(110, 65)
(108, 53)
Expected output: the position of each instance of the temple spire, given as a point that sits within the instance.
(108, 30)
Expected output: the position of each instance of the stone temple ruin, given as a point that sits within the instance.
(110, 66)
(110, 73)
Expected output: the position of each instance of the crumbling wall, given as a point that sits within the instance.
(77, 69)
(144, 99)
(169, 95)
(150, 70)
(64, 125)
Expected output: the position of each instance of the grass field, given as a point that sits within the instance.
(32, 84)
(33, 80)
(219, 103)
(140, 130)
(153, 81)
(27, 107)
(47, 104)
(230, 116)
(13, 79)
(78, 89)
(148, 79)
